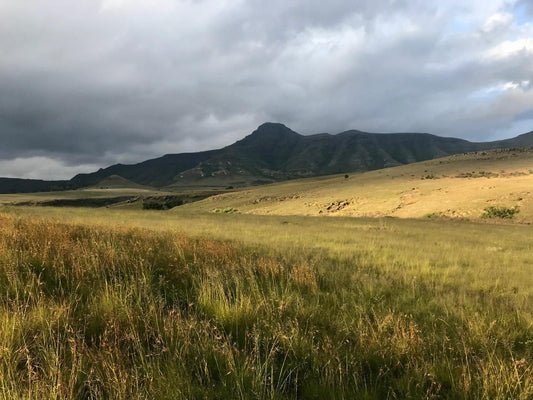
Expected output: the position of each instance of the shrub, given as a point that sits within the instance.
(500, 212)
(162, 202)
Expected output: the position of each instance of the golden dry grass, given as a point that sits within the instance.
(131, 304)
(6, 199)
(459, 186)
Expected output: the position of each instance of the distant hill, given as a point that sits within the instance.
(118, 182)
(272, 153)
(158, 172)
(15, 185)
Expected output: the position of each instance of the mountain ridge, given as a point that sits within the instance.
(273, 152)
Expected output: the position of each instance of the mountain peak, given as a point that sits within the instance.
(268, 125)
(272, 127)
(272, 130)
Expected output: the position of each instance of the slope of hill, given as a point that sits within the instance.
(456, 186)
(274, 153)
(118, 182)
(524, 140)
(157, 172)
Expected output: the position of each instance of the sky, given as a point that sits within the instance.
(89, 83)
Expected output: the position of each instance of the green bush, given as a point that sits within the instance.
(162, 202)
(500, 212)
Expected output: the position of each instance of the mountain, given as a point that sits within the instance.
(525, 140)
(157, 172)
(274, 152)
(16, 185)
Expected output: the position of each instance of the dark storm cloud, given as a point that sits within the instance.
(89, 83)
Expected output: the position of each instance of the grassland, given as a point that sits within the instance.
(276, 301)
(117, 197)
(89, 193)
(460, 186)
(126, 304)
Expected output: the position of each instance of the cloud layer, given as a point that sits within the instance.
(91, 83)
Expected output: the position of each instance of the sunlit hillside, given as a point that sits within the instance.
(457, 186)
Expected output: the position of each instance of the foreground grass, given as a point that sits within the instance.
(94, 305)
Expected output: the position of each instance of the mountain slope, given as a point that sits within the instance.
(156, 172)
(458, 186)
(118, 182)
(525, 140)
(16, 185)
(272, 153)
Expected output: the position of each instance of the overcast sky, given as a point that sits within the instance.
(86, 83)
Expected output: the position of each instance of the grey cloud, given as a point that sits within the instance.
(526, 115)
(94, 83)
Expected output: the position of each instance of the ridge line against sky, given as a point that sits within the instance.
(91, 83)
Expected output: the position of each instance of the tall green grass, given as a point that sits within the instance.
(95, 312)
